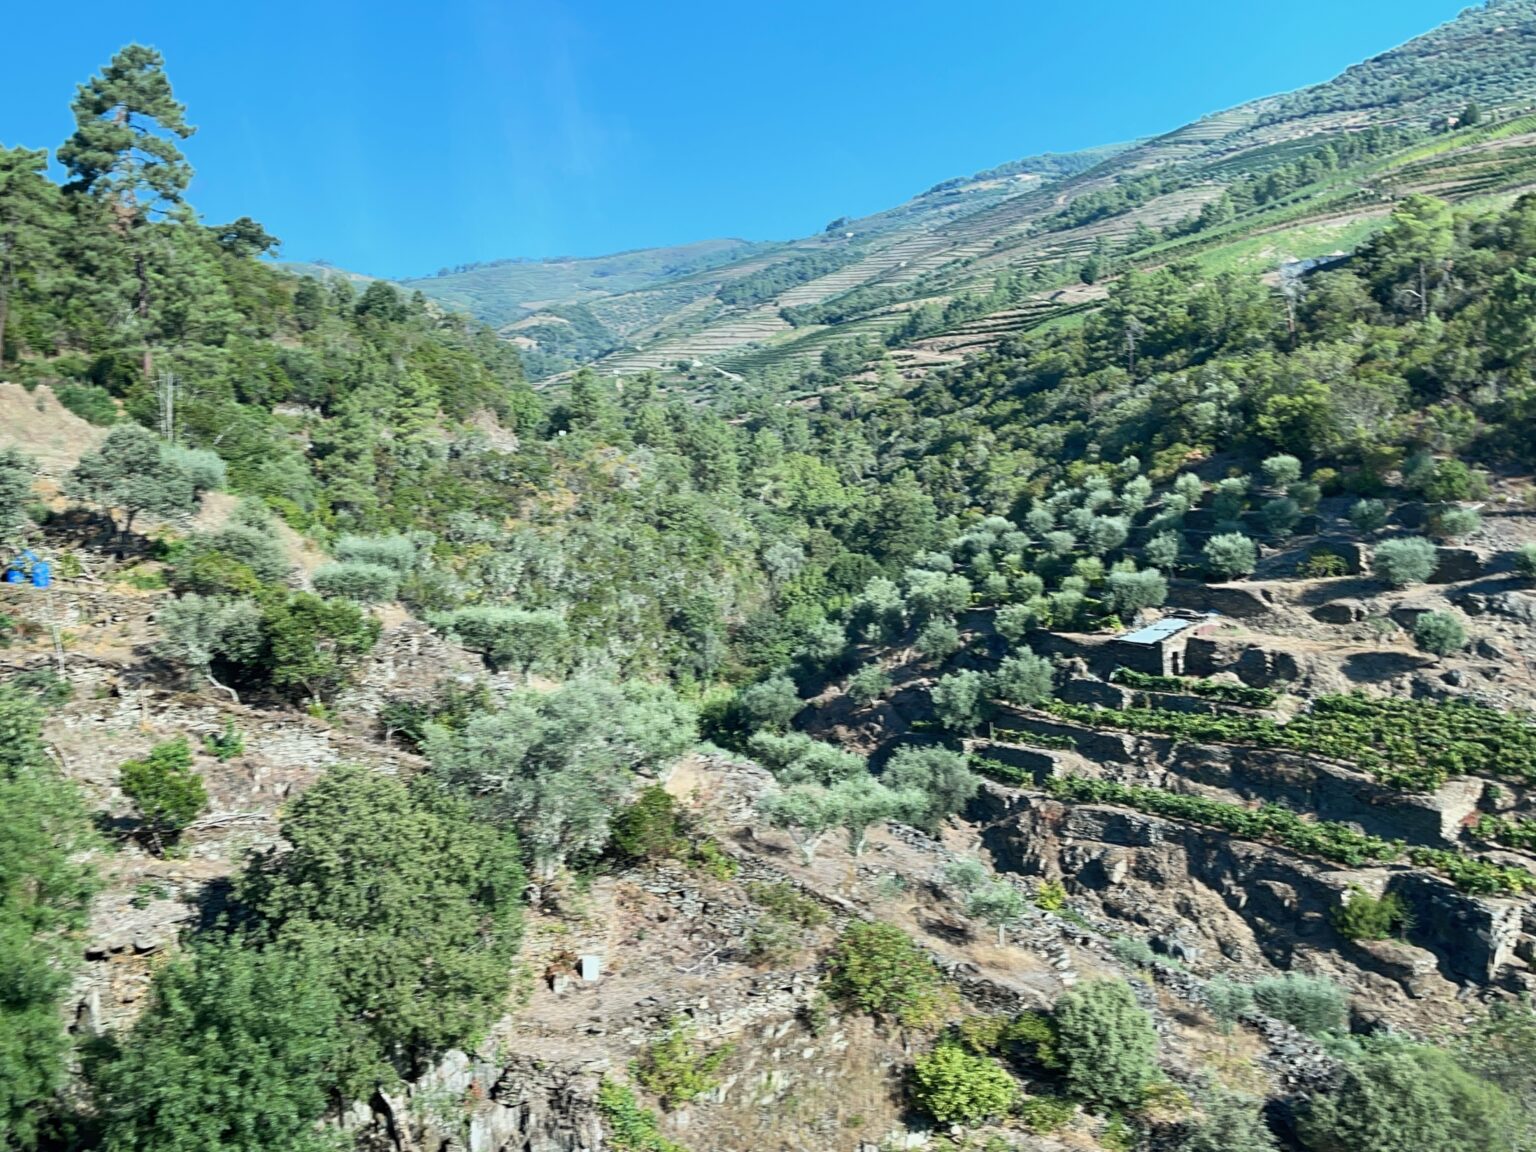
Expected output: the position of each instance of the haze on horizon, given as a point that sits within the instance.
(393, 140)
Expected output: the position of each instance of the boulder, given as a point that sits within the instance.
(1453, 565)
(1347, 611)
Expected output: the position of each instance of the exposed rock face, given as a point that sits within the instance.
(1248, 900)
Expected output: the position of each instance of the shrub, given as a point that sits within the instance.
(1231, 496)
(937, 639)
(1366, 917)
(364, 583)
(1281, 516)
(673, 1071)
(1015, 621)
(1130, 592)
(1439, 633)
(1324, 565)
(876, 969)
(960, 700)
(650, 828)
(1107, 1044)
(1043, 1115)
(1408, 560)
(1230, 1124)
(1162, 551)
(394, 552)
(1452, 480)
(1401, 1097)
(868, 684)
(770, 703)
(785, 902)
(1231, 555)
(1282, 471)
(1106, 533)
(1308, 1003)
(509, 637)
(225, 744)
(1024, 679)
(1455, 523)
(91, 402)
(955, 1087)
(1369, 516)
(164, 790)
(939, 774)
(203, 468)
(1525, 561)
(631, 1128)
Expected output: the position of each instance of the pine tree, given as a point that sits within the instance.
(123, 152)
(30, 215)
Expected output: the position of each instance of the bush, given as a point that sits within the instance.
(960, 700)
(1455, 523)
(875, 968)
(1451, 480)
(1230, 1124)
(1365, 917)
(1130, 592)
(868, 684)
(225, 744)
(937, 639)
(672, 1071)
(164, 790)
(1402, 1097)
(1368, 516)
(1439, 633)
(631, 1128)
(939, 774)
(1408, 560)
(650, 828)
(91, 402)
(1281, 516)
(1043, 1115)
(1107, 1044)
(1162, 551)
(1231, 555)
(205, 469)
(395, 552)
(1015, 621)
(770, 703)
(1230, 498)
(955, 1087)
(1282, 471)
(1525, 561)
(1024, 679)
(509, 637)
(363, 583)
(1308, 1003)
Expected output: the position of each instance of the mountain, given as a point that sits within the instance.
(1037, 222)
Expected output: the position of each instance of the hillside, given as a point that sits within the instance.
(1137, 205)
(1060, 674)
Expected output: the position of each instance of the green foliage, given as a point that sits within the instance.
(1367, 917)
(237, 559)
(262, 1085)
(90, 402)
(1309, 1003)
(673, 1071)
(1525, 561)
(311, 645)
(937, 639)
(363, 583)
(960, 700)
(1455, 523)
(1369, 516)
(225, 744)
(1397, 1096)
(132, 474)
(999, 904)
(771, 704)
(16, 473)
(868, 684)
(939, 774)
(631, 1128)
(955, 1087)
(1439, 633)
(796, 758)
(515, 638)
(1131, 592)
(1411, 744)
(1024, 679)
(1282, 471)
(416, 899)
(1231, 555)
(1409, 560)
(1162, 551)
(555, 766)
(1239, 694)
(785, 902)
(1229, 1123)
(1107, 1044)
(650, 828)
(165, 792)
(46, 883)
(395, 552)
(875, 968)
(1044, 1115)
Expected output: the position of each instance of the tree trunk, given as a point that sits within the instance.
(141, 270)
(233, 695)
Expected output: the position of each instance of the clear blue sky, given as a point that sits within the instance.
(395, 138)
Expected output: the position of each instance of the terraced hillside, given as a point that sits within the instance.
(1050, 223)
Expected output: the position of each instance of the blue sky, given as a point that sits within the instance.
(395, 138)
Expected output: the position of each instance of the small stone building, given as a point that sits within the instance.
(1158, 648)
